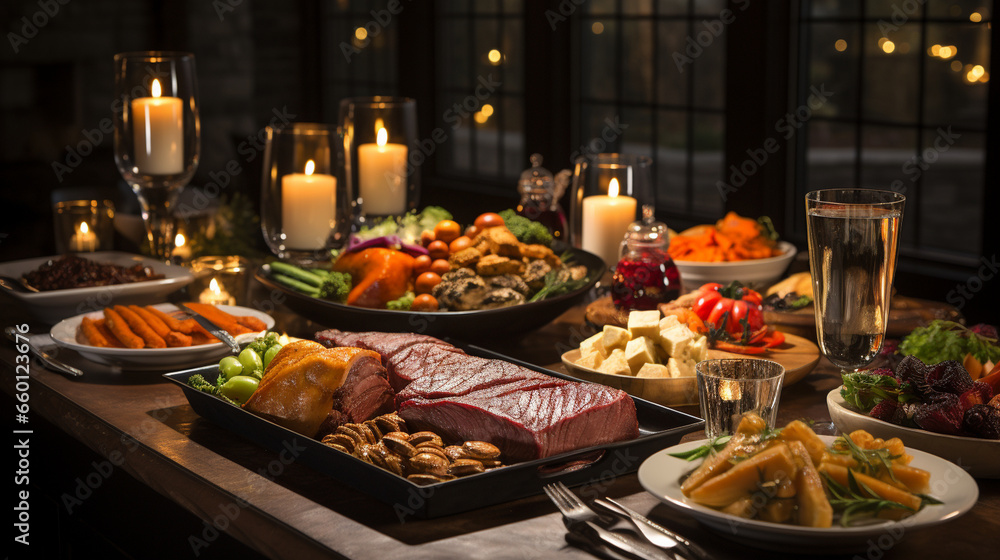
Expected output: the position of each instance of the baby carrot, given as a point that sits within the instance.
(93, 335)
(220, 318)
(140, 327)
(121, 330)
(153, 321)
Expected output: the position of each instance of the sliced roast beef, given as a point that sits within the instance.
(458, 377)
(386, 344)
(419, 360)
(529, 422)
(365, 394)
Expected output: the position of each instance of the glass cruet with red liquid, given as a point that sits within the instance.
(540, 194)
(645, 275)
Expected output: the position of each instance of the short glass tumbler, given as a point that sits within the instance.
(305, 210)
(729, 389)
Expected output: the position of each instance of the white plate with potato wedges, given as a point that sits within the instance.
(661, 475)
(666, 384)
(67, 334)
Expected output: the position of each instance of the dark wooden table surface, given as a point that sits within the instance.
(144, 426)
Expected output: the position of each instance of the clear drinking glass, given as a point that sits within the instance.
(157, 135)
(728, 389)
(853, 236)
(304, 203)
(608, 190)
(382, 154)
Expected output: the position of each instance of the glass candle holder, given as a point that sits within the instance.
(220, 280)
(304, 202)
(608, 190)
(157, 135)
(84, 225)
(381, 164)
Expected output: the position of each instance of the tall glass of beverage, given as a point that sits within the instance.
(853, 236)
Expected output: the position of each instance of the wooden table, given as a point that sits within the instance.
(138, 423)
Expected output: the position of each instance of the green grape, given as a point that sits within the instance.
(230, 367)
(269, 355)
(239, 388)
(251, 361)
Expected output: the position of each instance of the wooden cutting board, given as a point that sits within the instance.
(798, 355)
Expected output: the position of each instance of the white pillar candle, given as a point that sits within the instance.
(158, 132)
(605, 220)
(83, 239)
(382, 176)
(308, 208)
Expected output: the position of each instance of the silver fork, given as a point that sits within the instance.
(579, 518)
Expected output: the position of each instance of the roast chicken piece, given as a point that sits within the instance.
(379, 275)
(298, 388)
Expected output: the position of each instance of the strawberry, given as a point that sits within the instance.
(949, 377)
(943, 414)
(982, 421)
(884, 410)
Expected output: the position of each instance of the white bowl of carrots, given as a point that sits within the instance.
(756, 273)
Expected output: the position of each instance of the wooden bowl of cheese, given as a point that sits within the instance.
(653, 358)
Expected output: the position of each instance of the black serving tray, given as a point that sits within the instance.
(466, 324)
(659, 427)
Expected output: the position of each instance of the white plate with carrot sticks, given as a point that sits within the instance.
(156, 336)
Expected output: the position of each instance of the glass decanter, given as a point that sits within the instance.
(540, 194)
(645, 275)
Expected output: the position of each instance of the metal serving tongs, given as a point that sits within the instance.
(49, 360)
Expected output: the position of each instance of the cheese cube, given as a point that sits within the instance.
(676, 339)
(680, 367)
(591, 360)
(698, 349)
(644, 323)
(669, 321)
(593, 344)
(653, 371)
(614, 337)
(615, 363)
(639, 351)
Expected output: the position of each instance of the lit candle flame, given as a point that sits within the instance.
(179, 240)
(382, 137)
(155, 88)
(83, 227)
(310, 167)
(729, 390)
(214, 286)
(613, 187)
(379, 125)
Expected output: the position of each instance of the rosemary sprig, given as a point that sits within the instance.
(872, 462)
(851, 502)
(713, 446)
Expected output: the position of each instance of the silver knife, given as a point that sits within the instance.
(684, 544)
(210, 327)
(43, 356)
(617, 541)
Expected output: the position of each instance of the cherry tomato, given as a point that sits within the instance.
(752, 296)
(426, 282)
(705, 302)
(424, 302)
(471, 232)
(426, 237)
(749, 312)
(438, 249)
(440, 266)
(488, 220)
(421, 264)
(459, 243)
(710, 287)
(447, 231)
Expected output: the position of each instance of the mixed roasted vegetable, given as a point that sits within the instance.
(790, 475)
(427, 262)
